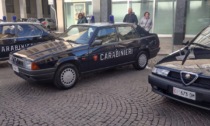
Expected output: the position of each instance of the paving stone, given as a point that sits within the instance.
(120, 97)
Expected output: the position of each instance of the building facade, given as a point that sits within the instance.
(177, 18)
(24, 9)
(194, 15)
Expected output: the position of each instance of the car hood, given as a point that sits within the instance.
(198, 61)
(45, 49)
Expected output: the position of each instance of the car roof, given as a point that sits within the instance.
(102, 24)
(44, 18)
(10, 23)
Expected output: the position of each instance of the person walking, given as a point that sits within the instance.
(130, 17)
(81, 19)
(146, 22)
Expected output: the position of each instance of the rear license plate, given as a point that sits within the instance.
(184, 93)
(15, 68)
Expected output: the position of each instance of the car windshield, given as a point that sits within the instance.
(203, 40)
(78, 34)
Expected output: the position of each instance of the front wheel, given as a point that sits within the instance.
(66, 76)
(141, 61)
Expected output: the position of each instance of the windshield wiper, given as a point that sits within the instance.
(70, 41)
(58, 38)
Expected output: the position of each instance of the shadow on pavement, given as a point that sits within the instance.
(4, 64)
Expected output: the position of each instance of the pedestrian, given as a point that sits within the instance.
(81, 19)
(146, 22)
(83, 14)
(130, 17)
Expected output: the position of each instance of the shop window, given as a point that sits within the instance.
(10, 6)
(198, 16)
(28, 6)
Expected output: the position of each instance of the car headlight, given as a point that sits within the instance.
(27, 65)
(31, 65)
(10, 57)
(160, 71)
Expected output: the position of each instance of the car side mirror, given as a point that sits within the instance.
(185, 43)
(97, 42)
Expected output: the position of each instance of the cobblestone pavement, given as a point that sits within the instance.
(120, 97)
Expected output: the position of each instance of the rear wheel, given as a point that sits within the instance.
(141, 61)
(66, 76)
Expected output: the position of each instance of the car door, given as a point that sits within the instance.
(7, 40)
(128, 43)
(102, 55)
(28, 35)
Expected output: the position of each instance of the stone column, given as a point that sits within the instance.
(39, 8)
(60, 15)
(180, 22)
(102, 9)
(2, 9)
(23, 12)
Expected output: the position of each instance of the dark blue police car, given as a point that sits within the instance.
(184, 75)
(18, 35)
(85, 48)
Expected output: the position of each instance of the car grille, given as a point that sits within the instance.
(17, 61)
(200, 82)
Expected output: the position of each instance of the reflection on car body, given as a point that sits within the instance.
(85, 48)
(16, 36)
(185, 74)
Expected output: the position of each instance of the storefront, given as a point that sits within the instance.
(73, 7)
(162, 12)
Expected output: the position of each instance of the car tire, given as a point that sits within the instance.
(141, 61)
(66, 76)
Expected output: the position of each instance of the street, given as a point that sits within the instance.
(120, 97)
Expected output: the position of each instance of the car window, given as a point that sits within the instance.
(7, 31)
(49, 20)
(25, 30)
(79, 34)
(41, 20)
(107, 35)
(126, 32)
(32, 20)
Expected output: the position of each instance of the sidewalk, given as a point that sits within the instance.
(167, 47)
